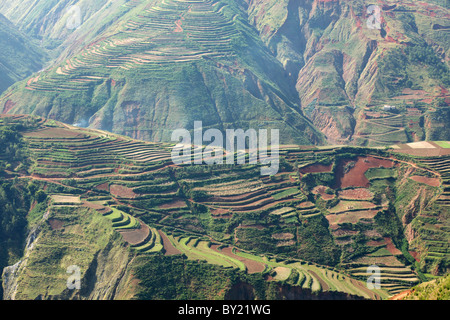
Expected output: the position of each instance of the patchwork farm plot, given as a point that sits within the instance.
(233, 217)
(352, 173)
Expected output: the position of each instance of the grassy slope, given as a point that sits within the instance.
(84, 233)
(255, 94)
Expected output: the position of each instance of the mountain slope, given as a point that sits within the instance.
(19, 57)
(343, 71)
(162, 66)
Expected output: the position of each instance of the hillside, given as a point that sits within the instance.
(120, 210)
(197, 60)
(313, 69)
(19, 57)
(60, 24)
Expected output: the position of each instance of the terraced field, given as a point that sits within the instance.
(393, 278)
(346, 227)
(380, 128)
(197, 249)
(140, 237)
(233, 217)
(286, 198)
(442, 166)
(143, 68)
(92, 159)
(152, 244)
(120, 220)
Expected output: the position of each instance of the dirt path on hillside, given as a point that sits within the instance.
(401, 295)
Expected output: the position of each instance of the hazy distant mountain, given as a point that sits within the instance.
(19, 57)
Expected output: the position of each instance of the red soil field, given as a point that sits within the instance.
(321, 190)
(243, 196)
(100, 208)
(412, 94)
(374, 243)
(355, 176)
(169, 249)
(343, 232)
(391, 247)
(103, 186)
(9, 105)
(400, 295)
(220, 213)
(350, 217)
(433, 182)
(173, 204)
(255, 226)
(373, 295)
(260, 205)
(415, 255)
(305, 204)
(56, 133)
(56, 224)
(323, 284)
